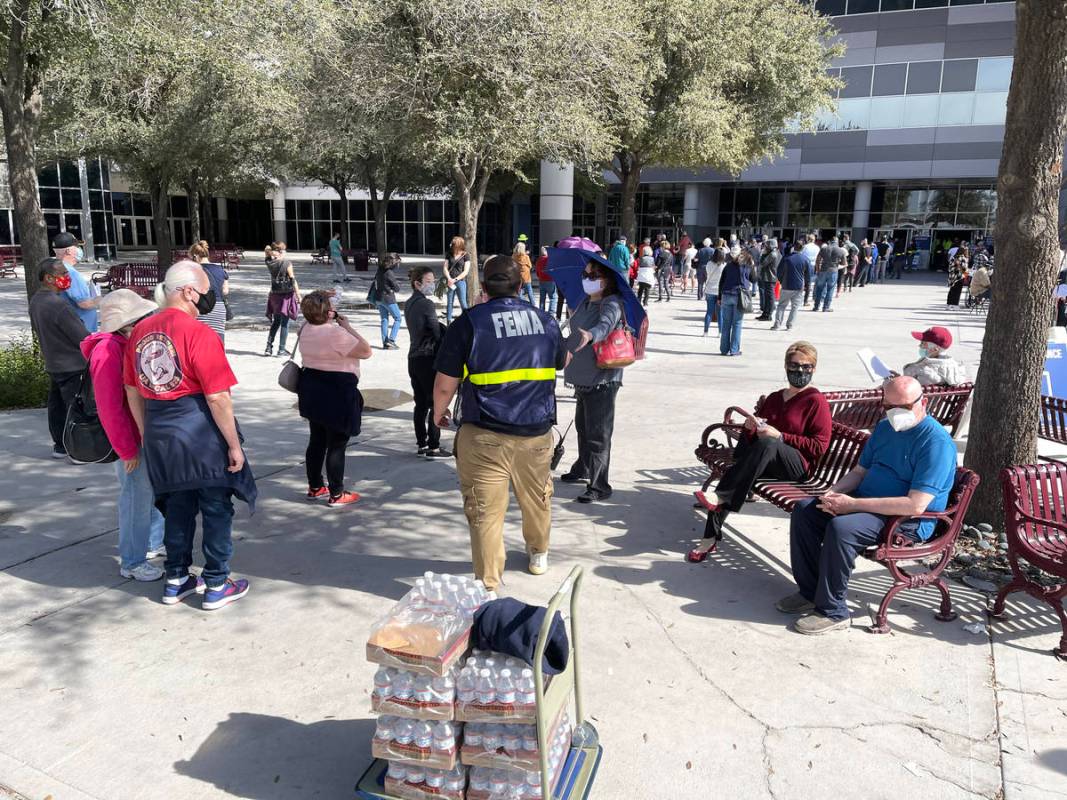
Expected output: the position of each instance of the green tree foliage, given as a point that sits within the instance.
(719, 82)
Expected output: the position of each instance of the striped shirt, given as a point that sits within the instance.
(216, 318)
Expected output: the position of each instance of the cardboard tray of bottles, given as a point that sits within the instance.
(578, 773)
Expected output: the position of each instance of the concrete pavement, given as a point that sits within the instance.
(696, 684)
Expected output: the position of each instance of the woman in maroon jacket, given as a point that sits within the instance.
(785, 438)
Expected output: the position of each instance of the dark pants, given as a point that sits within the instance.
(761, 457)
(823, 551)
(702, 278)
(279, 322)
(663, 284)
(215, 507)
(808, 281)
(326, 445)
(642, 293)
(864, 274)
(422, 374)
(594, 421)
(63, 386)
(766, 299)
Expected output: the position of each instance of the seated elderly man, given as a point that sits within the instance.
(907, 467)
(934, 366)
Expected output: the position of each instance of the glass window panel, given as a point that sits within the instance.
(412, 213)
(889, 79)
(435, 212)
(726, 198)
(122, 203)
(972, 199)
(830, 8)
(920, 111)
(304, 209)
(769, 201)
(897, 5)
(956, 109)
(824, 200)
(862, 6)
(68, 175)
(51, 222)
(855, 113)
(74, 225)
(323, 232)
(394, 237)
(412, 237)
(825, 120)
(48, 175)
(943, 201)
(874, 221)
(857, 81)
(847, 201)
(358, 235)
(726, 220)
(142, 205)
(994, 74)
(179, 206)
(966, 2)
(924, 77)
(5, 227)
(357, 210)
(290, 209)
(49, 198)
(959, 76)
(887, 112)
(990, 108)
(321, 209)
(394, 213)
(799, 201)
(290, 232)
(92, 173)
(335, 209)
(105, 172)
(434, 235)
(971, 220)
(930, 3)
(451, 211)
(305, 235)
(823, 221)
(72, 198)
(99, 222)
(746, 199)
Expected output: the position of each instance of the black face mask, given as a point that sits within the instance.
(205, 302)
(798, 378)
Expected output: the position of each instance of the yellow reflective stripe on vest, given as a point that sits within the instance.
(512, 375)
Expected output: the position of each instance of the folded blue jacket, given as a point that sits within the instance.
(510, 627)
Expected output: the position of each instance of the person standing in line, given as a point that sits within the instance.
(522, 258)
(711, 290)
(768, 278)
(736, 278)
(283, 302)
(337, 259)
(425, 333)
(178, 385)
(846, 269)
(689, 273)
(546, 285)
(811, 253)
(140, 523)
(502, 357)
(328, 395)
(59, 331)
(831, 256)
(703, 258)
(454, 272)
(867, 257)
(793, 271)
(664, 271)
(385, 288)
(887, 256)
(81, 294)
(595, 389)
(220, 282)
(619, 255)
(646, 274)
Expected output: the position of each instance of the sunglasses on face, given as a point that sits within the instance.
(793, 365)
(592, 276)
(905, 406)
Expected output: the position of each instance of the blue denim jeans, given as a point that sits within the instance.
(527, 291)
(461, 291)
(825, 284)
(712, 302)
(548, 292)
(730, 320)
(386, 310)
(215, 507)
(140, 523)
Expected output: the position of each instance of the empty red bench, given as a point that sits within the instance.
(141, 277)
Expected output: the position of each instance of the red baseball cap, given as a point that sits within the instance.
(936, 335)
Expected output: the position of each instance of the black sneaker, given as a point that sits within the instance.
(423, 450)
(269, 351)
(391, 345)
(438, 452)
(58, 451)
(570, 477)
(591, 496)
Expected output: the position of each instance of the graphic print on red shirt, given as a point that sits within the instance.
(172, 355)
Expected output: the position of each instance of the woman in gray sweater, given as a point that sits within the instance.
(594, 418)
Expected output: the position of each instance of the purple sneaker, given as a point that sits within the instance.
(225, 594)
(176, 592)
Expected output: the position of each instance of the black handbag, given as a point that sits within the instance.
(84, 438)
(744, 300)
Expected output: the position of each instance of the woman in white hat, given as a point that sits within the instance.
(140, 523)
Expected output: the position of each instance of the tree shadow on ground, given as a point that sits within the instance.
(261, 757)
(1055, 760)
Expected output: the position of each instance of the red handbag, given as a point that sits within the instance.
(617, 350)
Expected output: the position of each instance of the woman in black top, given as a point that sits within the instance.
(425, 332)
(385, 289)
(664, 270)
(283, 302)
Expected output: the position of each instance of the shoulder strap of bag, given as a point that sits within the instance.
(296, 346)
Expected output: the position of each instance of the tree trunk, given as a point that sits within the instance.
(1007, 395)
(380, 203)
(471, 183)
(193, 193)
(506, 198)
(629, 172)
(341, 187)
(158, 189)
(208, 221)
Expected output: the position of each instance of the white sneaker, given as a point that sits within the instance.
(142, 572)
(538, 563)
(160, 552)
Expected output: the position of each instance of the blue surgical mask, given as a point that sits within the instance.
(79, 254)
(923, 353)
(592, 287)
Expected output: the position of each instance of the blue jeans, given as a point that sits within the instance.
(823, 551)
(140, 523)
(730, 319)
(215, 508)
(386, 310)
(712, 302)
(527, 290)
(461, 290)
(548, 290)
(825, 284)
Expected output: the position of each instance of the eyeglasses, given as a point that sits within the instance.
(793, 365)
(904, 406)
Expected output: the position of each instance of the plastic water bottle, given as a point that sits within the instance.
(516, 784)
(465, 685)
(491, 737)
(533, 784)
(485, 694)
(529, 739)
(472, 734)
(454, 780)
(505, 688)
(479, 779)
(444, 737)
(468, 604)
(384, 730)
(383, 682)
(403, 731)
(444, 689)
(423, 736)
(423, 689)
(512, 739)
(525, 689)
(416, 775)
(397, 771)
(435, 778)
(403, 684)
(498, 781)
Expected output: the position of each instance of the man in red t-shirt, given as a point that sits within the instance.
(178, 383)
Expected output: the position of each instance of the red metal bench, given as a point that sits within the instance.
(320, 256)
(12, 253)
(141, 277)
(1052, 424)
(862, 408)
(7, 266)
(1035, 516)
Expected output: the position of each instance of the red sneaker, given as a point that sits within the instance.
(318, 494)
(343, 499)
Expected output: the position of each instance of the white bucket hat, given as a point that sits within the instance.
(123, 307)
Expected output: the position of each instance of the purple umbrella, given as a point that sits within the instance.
(579, 243)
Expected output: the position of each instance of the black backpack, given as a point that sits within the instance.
(83, 435)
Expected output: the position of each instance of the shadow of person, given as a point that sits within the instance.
(1055, 760)
(261, 757)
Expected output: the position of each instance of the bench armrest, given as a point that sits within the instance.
(894, 545)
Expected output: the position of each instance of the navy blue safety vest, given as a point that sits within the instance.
(510, 376)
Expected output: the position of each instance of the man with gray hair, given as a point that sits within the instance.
(178, 383)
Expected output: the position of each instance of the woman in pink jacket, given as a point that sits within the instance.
(140, 523)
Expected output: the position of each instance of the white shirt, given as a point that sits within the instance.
(714, 273)
(811, 252)
(690, 254)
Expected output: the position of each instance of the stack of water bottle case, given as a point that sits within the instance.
(455, 723)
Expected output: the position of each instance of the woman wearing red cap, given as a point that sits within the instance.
(934, 367)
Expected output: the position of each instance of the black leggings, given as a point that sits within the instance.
(422, 374)
(642, 293)
(327, 446)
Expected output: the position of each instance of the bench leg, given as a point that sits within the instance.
(946, 614)
(1016, 585)
(880, 624)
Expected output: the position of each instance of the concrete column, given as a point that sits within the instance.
(557, 201)
(861, 211)
(691, 209)
(87, 219)
(222, 218)
(277, 211)
(707, 211)
(783, 208)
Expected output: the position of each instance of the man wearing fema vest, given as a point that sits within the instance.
(502, 356)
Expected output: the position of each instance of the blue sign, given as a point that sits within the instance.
(1054, 378)
(920, 242)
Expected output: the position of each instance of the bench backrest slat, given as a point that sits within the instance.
(862, 408)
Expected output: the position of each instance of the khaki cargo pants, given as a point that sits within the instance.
(487, 463)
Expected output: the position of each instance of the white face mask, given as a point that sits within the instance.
(901, 419)
(592, 287)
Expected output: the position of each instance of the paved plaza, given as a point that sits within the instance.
(696, 684)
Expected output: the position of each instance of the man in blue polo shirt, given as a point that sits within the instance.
(907, 467)
(82, 295)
